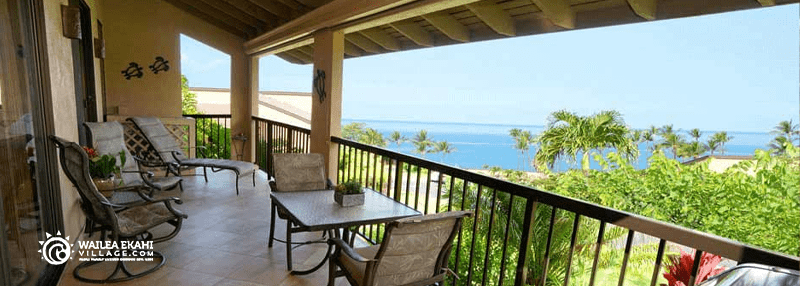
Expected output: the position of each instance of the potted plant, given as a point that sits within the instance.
(103, 170)
(349, 194)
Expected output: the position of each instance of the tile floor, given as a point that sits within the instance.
(224, 240)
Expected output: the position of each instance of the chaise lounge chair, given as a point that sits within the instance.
(109, 138)
(168, 151)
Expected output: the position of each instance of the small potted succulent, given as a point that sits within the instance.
(349, 194)
(103, 170)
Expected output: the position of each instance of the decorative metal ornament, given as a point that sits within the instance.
(133, 70)
(159, 65)
(71, 22)
(319, 85)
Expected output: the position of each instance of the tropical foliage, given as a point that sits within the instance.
(679, 268)
(569, 134)
(214, 137)
(422, 142)
(359, 132)
(523, 139)
(188, 98)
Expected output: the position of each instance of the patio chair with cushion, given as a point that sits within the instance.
(168, 151)
(125, 222)
(414, 251)
(108, 138)
(295, 173)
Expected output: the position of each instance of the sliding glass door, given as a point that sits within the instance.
(26, 195)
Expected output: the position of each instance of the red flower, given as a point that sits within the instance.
(679, 268)
(90, 152)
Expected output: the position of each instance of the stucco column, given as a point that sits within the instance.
(243, 86)
(326, 114)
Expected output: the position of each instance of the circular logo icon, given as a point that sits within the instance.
(56, 250)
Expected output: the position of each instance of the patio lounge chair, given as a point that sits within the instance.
(414, 251)
(108, 138)
(169, 152)
(125, 222)
(295, 173)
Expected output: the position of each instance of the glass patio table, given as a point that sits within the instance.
(317, 211)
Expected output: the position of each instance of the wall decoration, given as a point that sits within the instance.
(159, 65)
(99, 48)
(71, 22)
(319, 85)
(133, 70)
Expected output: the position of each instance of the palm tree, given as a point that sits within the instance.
(672, 141)
(522, 142)
(712, 145)
(422, 142)
(787, 130)
(397, 138)
(373, 137)
(722, 138)
(666, 129)
(695, 133)
(444, 148)
(649, 137)
(779, 144)
(568, 134)
(529, 140)
(692, 149)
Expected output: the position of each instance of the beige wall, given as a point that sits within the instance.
(139, 31)
(62, 86)
(135, 31)
(292, 108)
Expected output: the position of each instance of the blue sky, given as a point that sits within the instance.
(735, 71)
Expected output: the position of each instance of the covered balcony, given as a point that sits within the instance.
(126, 63)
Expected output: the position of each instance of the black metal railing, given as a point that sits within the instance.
(213, 135)
(276, 137)
(524, 236)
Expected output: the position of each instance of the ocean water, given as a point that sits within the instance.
(479, 145)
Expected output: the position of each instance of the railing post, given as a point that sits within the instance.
(193, 139)
(525, 242)
(269, 148)
(398, 182)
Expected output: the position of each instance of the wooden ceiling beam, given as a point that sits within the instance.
(414, 32)
(382, 38)
(215, 13)
(766, 3)
(645, 8)
(277, 9)
(294, 4)
(210, 19)
(363, 42)
(236, 13)
(448, 25)
(308, 50)
(348, 16)
(419, 8)
(558, 11)
(288, 58)
(351, 50)
(494, 16)
(312, 3)
(257, 12)
(300, 56)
